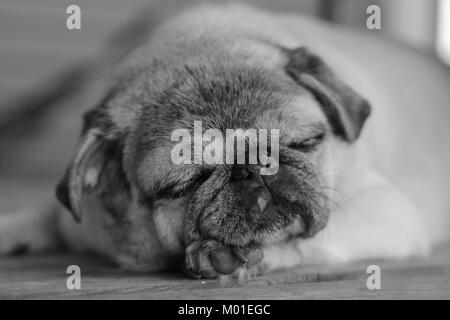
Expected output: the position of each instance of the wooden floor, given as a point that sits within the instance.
(44, 277)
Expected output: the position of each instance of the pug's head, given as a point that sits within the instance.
(124, 154)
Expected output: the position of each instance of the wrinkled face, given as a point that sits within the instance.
(229, 202)
(234, 203)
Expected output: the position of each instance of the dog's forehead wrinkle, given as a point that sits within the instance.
(218, 80)
(221, 102)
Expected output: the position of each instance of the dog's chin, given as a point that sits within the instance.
(243, 229)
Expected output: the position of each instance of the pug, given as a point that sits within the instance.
(343, 190)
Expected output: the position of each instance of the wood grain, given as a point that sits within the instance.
(44, 277)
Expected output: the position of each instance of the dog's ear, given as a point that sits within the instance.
(95, 151)
(345, 109)
(83, 172)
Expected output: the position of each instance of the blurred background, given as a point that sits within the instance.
(34, 41)
(36, 47)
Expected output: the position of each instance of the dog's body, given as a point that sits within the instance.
(388, 186)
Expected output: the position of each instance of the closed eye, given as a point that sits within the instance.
(308, 145)
(181, 187)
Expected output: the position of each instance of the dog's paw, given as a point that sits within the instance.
(209, 259)
(245, 274)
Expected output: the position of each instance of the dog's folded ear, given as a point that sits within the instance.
(82, 174)
(346, 110)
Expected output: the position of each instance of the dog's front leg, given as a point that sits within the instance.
(378, 221)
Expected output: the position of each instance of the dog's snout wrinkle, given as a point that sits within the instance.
(200, 200)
